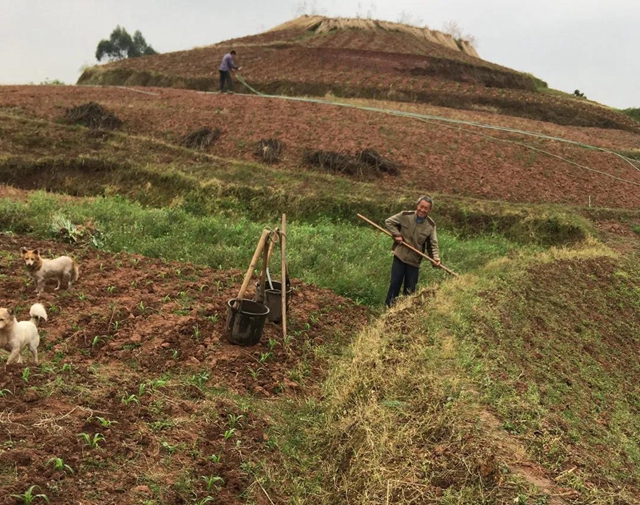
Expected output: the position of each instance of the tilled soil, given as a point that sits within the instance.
(434, 157)
(138, 390)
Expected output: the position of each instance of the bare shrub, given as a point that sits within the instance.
(268, 150)
(377, 162)
(201, 138)
(340, 162)
(365, 163)
(94, 116)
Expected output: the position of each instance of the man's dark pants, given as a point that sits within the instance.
(225, 75)
(401, 273)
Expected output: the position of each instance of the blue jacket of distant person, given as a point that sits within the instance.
(228, 63)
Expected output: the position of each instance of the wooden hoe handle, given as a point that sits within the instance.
(409, 246)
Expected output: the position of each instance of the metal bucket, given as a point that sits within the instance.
(246, 322)
(273, 299)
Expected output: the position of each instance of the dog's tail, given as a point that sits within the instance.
(75, 272)
(37, 313)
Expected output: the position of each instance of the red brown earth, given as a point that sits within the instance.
(140, 343)
(435, 156)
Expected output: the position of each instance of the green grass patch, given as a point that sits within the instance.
(352, 260)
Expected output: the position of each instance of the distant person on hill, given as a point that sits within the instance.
(228, 64)
(416, 228)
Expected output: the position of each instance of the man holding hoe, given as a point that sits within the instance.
(417, 229)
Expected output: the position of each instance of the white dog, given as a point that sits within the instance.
(15, 336)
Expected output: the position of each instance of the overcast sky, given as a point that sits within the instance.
(590, 45)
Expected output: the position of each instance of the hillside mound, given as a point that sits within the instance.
(362, 59)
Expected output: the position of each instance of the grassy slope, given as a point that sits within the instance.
(548, 344)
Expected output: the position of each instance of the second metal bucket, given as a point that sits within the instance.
(273, 299)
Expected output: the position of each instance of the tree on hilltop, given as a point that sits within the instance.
(121, 45)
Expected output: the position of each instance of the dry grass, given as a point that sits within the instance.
(321, 24)
(268, 150)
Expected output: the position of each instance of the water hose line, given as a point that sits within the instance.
(438, 120)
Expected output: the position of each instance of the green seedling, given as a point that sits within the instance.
(264, 356)
(26, 373)
(94, 441)
(229, 433)
(215, 458)
(96, 340)
(254, 373)
(59, 464)
(233, 420)
(212, 480)
(196, 332)
(272, 343)
(158, 383)
(213, 318)
(28, 496)
(105, 422)
(5, 392)
(206, 499)
(47, 368)
(111, 289)
(169, 448)
(200, 379)
(82, 296)
(66, 368)
(127, 399)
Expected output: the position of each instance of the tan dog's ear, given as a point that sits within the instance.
(23, 250)
(36, 252)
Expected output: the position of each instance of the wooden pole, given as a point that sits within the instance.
(409, 246)
(283, 243)
(252, 266)
(265, 264)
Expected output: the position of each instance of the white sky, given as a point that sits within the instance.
(590, 45)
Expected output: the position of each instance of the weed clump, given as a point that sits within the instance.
(93, 116)
(268, 150)
(365, 163)
(202, 138)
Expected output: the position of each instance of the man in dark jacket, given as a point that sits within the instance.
(228, 64)
(416, 228)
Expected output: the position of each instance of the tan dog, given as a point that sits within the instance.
(63, 269)
(15, 336)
